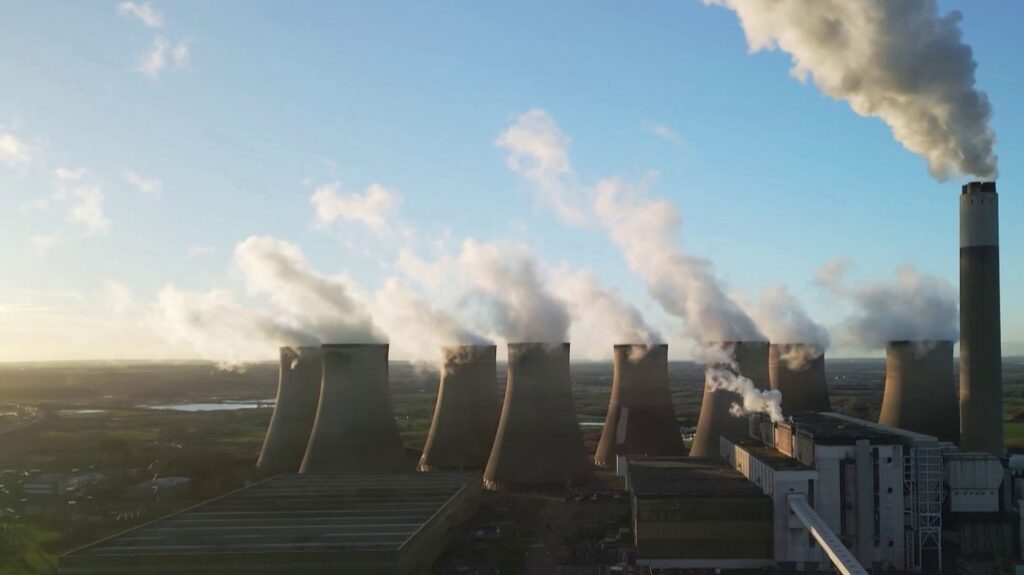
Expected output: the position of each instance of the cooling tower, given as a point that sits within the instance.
(797, 371)
(355, 429)
(298, 390)
(538, 443)
(715, 418)
(467, 410)
(981, 367)
(640, 419)
(919, 389)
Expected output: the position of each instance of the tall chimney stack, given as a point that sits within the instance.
(797, 371)
(355, 429)
(981, 364)
(466, 414)
(919, 389)
(298, 391)
(539, 443)
(640, 419)
(751, 358)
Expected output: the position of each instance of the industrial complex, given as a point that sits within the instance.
(925, 489)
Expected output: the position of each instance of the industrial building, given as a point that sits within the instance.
(372, 524)
(640, 418)
(298, 392)
(467, 410)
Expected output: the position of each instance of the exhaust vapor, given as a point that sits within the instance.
(902, 62)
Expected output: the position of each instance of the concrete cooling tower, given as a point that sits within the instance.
(298, 391)
(981, 367)
(539, 443)
(640, 419)
(355, 429)
(467, 410)
(716, 421)
(797, 371)
(919, 389)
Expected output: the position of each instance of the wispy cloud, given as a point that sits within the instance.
(374, 207)
(666, 133)
(148, 186)
(13, 152)
(84, 200)
(199, 251)
(119, 298)
(145, 12)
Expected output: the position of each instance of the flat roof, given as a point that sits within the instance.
(309, 513)
(828, 429)
(688, 477)
(771, 457)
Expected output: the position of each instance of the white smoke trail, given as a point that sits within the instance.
(755, 400)
(911, 307)
(900, 61)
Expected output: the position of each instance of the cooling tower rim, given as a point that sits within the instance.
(301, 348)
(640, 345)
(460, 346)
(744, 342)
(923, 341)
(333, 346)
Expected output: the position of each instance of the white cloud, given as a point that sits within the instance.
(119, 298)
(374, 207)
(13, 151)
(145, 12)
(668, 134)
(155, 61)
(84, 201)
(150, 187)
(539, 151)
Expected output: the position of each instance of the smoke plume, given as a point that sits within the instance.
(755, 400)
(911, 307)
(899, 61)
(221, 329)
(416, 329)
(646, 231)
(600, 317)
(509, 283)
(322, 305)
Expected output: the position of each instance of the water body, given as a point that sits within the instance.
(214, 406)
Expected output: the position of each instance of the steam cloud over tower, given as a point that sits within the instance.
(981, 367)
(298, 391)
(640, 419)
(467, 410)
(919, 389)
(716, 417)
(355, 429)
(538, 443)
(797, 371)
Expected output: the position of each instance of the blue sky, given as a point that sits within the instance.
(257, 104)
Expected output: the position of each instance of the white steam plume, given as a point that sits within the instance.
(416, 329)
(900, 61)
(911, 307)
(781, 317)
(755, 400)
(518, 305)
(322, 305)
(646, 231)
(221, 329)
(600, 317)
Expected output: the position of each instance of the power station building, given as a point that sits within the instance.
(640, 418)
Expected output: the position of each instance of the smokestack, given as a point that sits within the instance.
(919, 393)
(355, 429)
(298, 390)
(466, 413)
(797, 371)
(716, 418)
(641, 404)
(539, 442)
(981, 363)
